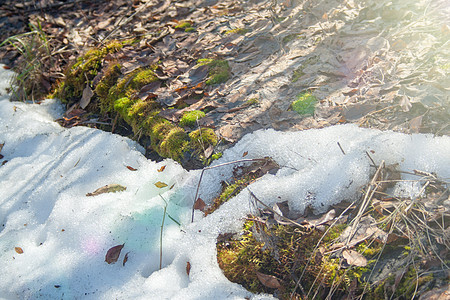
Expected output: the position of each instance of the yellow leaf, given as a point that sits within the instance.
(160, 184)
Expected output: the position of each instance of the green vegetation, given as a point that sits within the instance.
(252, 101)
(83, 71)
(190, 118)
(304, 105)
(255, 248)
(186, 25)
(241, 31)
(219, 70)
(202, 138)
(36, 59)
(298, 73)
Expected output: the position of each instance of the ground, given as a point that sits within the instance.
(168, 72)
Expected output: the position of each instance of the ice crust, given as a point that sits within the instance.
(65, 235)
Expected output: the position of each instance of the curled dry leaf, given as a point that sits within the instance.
(245, 154)
(131, 168)
(161, 169)
(199, 204)
(160, 185)
(269, 281)
(109, 188)
(18, 250)
(125, 259)
(86, 97)
(113, 254)
(188, 268)
(354, 258)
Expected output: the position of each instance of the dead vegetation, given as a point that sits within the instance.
(382, 246)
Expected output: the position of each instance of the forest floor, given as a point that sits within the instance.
(293, 65)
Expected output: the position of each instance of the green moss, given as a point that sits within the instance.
(83, 71)
(186, 25)
(289, 38)
(190, 118)
(216, 156)
(219, 70)
(304, 104)
(404, 289)
(298, 73)
(174, 144)
(202, 138)
(110, 78)
(241, 31)
(122, 105)
(252, 101)
(183, 25)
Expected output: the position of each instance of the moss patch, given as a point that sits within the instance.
(186, 26)
(202, 138)
(241, 31)
(304, 105)
(83, 71)
(219, 70)
(190, 118)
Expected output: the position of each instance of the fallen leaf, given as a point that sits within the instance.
(18, 250)
(354, 258)
(113, 254)
(109, 188)
(161, 169)
(437, 294)
(245, 154)
(405, 104)
(188, 268)
(160, 185)
(269, 281)
(209, 151)
(415, 124)
(125, 259)
(199, 204)
(86, 97)
(1, 146)
(131, 168)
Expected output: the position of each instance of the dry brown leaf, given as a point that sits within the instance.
(245, 154)
(125, 259)
(86, 97)
(188, 268)
(1, 146)
(113, 254)
(199, 204)
(437, 294)
(415, 124)
(160, 185)
(161, 169)
(354, 258)
(18, 250)
(269, 281)
(109, 188)
(131, 168)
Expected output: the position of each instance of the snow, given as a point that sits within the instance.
(65, 235)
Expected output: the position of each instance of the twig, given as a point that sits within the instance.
(369, 194)
(273, 211)
(339, 144)
(127, 20)
(216, 166)
(161, 234)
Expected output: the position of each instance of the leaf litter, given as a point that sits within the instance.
(384, 85)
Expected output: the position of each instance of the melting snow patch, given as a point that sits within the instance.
(64, 234)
